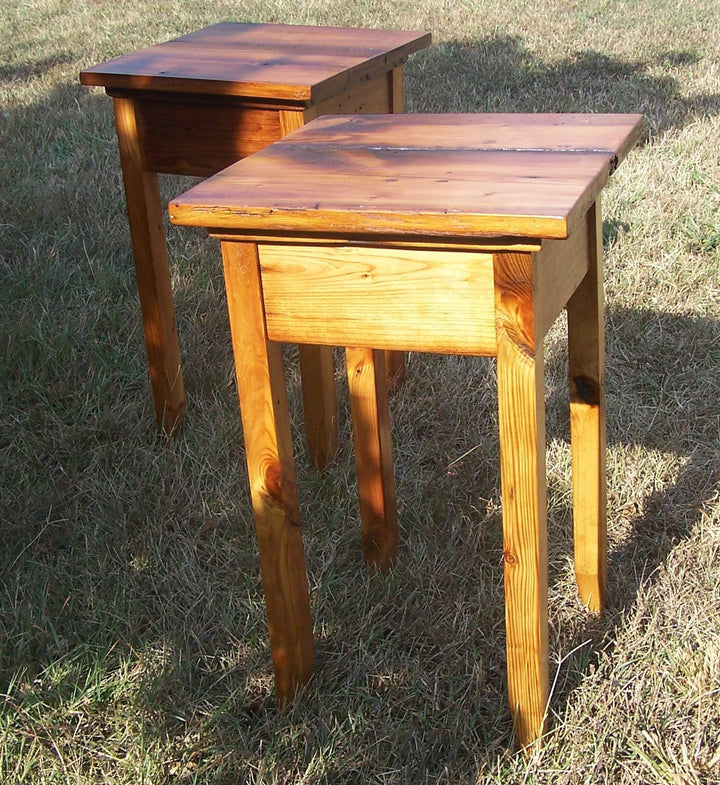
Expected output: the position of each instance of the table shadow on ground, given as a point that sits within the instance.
(500, 74)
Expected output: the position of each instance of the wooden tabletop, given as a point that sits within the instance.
(470, 175)
(283, 62)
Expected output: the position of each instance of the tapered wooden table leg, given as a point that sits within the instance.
(317, 370)
(373, 454)
(587, 422)
(266, 427)
(145, 215)
(521, 409)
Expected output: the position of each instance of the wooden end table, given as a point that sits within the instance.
(200, 102)
(462, 234)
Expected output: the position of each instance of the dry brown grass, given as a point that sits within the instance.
(133, 641)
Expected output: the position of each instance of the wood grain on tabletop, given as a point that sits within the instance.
(616, 133)
(284, 62)
(419, 174)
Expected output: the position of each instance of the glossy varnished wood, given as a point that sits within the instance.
(612, 133)
(317, 368)
(343, 293)
(152, 271)
(457, 234)
(586, 350)
(367, 174)
(198, 103)
(191, 135)
(373, 455)
(521, 410)
(292, 63)
(263, 406)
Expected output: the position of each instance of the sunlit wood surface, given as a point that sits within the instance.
(456, 234)
(198, 103)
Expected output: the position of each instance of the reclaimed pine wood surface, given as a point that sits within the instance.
(355, 221)
(271, 472)
(317, 369)
(570, 132)
(281, 62)
(152, 271)
(521, 413)
(373, 454)
(352, 295)
(198, 137)
(427, 175)
(586, 351)
(196, 104)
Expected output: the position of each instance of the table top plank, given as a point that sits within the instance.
(421, 175)
(282, 62)
(615, 133)
(362, 41)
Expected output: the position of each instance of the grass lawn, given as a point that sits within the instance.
(133, 642)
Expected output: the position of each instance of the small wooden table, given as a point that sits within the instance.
(463, 234)
(200, 102)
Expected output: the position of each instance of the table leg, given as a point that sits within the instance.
(317, 370)
(587, 423)
(268, 446)
(145, 215)
(521, 406)
(373, 454)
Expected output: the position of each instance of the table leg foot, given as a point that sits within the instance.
(522, 464)
(587, 423)
(271, 472)
(373, 455)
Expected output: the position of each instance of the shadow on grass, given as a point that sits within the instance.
(34, 68)
(677, 414)
(499, 74)
(662, 401)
